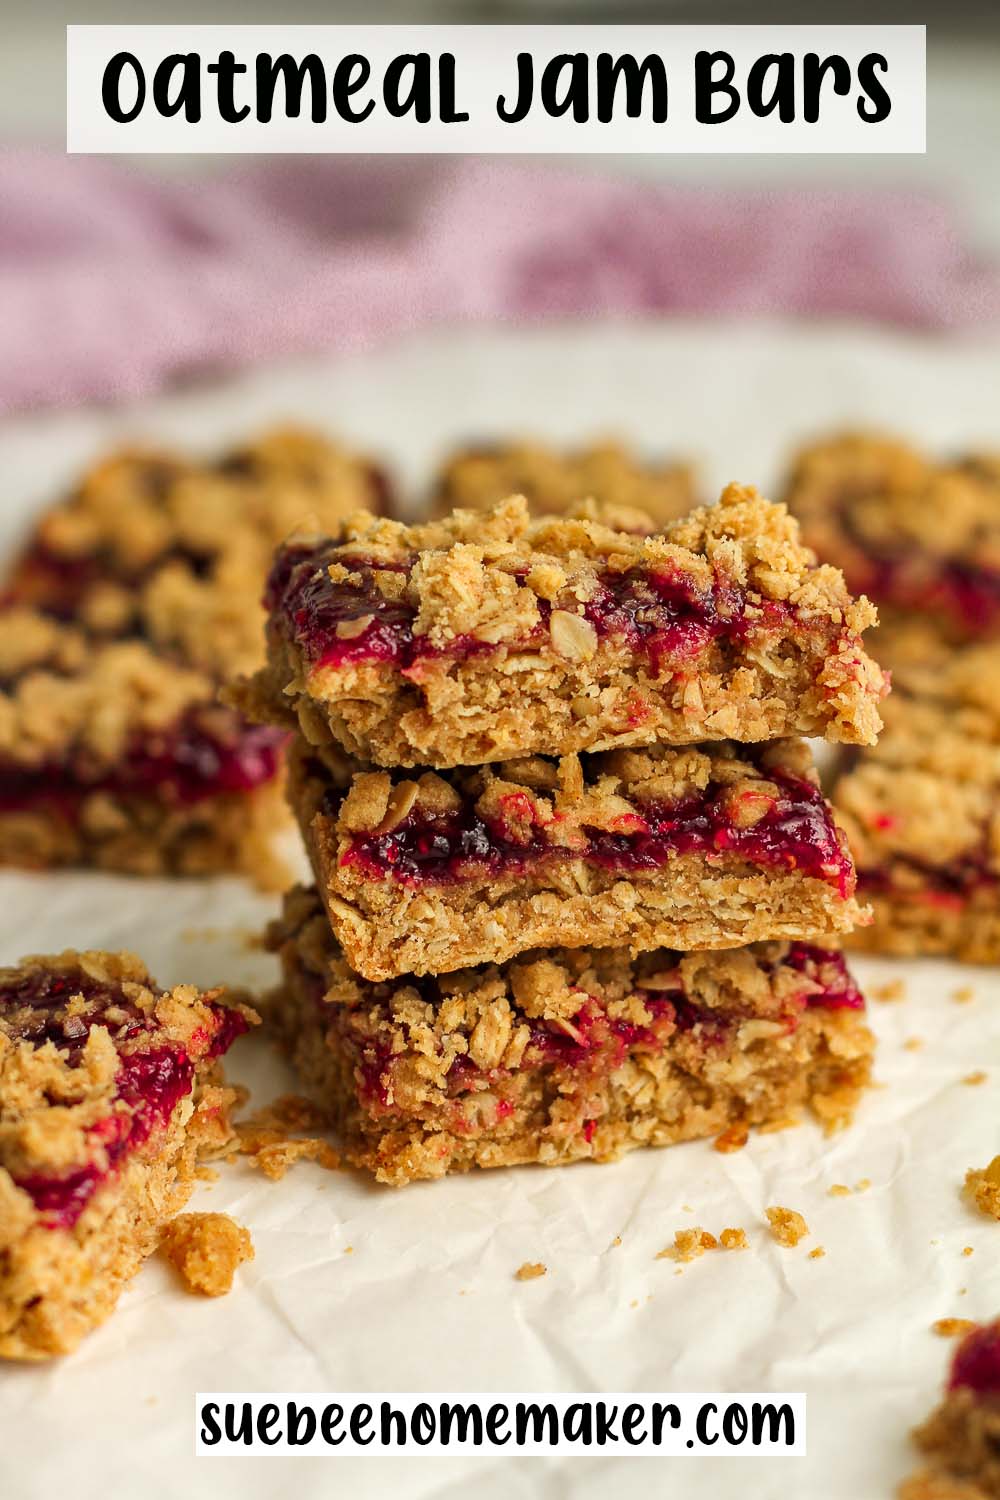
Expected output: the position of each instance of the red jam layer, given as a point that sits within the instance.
(595, 1040)
(660, 614)
(181, 767)
(150, 1084)
(976, 1365)
(946, 886)
(796, 832)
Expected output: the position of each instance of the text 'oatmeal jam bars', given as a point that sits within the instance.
(573, 867)
(130, 604)
(110, 1091)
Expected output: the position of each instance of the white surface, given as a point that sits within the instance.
(426, 1300)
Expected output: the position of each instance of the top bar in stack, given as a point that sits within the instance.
(630, 493)
(483, 637)
(922, 538)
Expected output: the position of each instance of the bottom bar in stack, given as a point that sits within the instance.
(563, 1054)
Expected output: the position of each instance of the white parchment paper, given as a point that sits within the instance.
(356, 1287)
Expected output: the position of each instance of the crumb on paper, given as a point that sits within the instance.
(205, 1249)
(616, 1242)
(688, 1245)
(206, 1174)
(963, 994)
(982, 1187)
(952, 1328)
(967, 1250)
(894, 990)
(686, 1208)
(862, 1185)
(839, 1190)
(530, 1271)
(975, 1078)
(734, 1239)
(348, 1249)
(733, 1138)
(913, 1044)
(787, 1226)
(271, 1139)
(816, 1254)
(634, 1302)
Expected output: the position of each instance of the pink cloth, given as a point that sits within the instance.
(114, 282)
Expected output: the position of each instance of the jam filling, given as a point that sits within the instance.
(149, 1084)
(659, 613)
(601, 1043)
(182, 766)
(949, 886)
(976, 1365)
(796, 832)
(966, 594)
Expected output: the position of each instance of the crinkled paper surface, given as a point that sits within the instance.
(361, 1288)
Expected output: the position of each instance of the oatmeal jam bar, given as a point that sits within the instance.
(704, 847)
(917, 536)
(961, 1439)
(563, 1054)
(644, 496)
(485, 636)
(922, 809)
(114, 755)
(177, 551)
(109, 1090)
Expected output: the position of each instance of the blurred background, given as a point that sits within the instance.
(195, 282)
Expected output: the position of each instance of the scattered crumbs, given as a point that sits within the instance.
(787, 1226)
(963, 994)
(952, 1328)
(270, 1139)
(862, 1185)
(530, 1271)
(348, 1249)
(206, 1174)
(839, 1190)
(688, 1245)
(816, 1254)
(967, 1250)
(634, 1302)
(962, 1291)
(734, 1239)
(894, 990)
(913, 1044)
(977, 1077)
(982, 1187)
(686, 1208)
(935, 1242)
(205, 1249)
(733, 1138)
(616, 1242)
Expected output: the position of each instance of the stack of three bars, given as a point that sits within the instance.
(571, 860)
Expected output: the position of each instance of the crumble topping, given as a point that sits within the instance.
(982, 1188)
(638, 494)
(272, 1138)
(206, 1251)
(950, 1328)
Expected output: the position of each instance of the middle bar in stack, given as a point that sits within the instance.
(581, 780)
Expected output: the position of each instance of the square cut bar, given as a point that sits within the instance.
(703, 847)
(961, 1439)
(567, 1054)
(116, 756)
(919, 537)
(628, 492)
(485, 636)
(922, 808)
(129, 606)
(109, 1091)
(177, 551)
